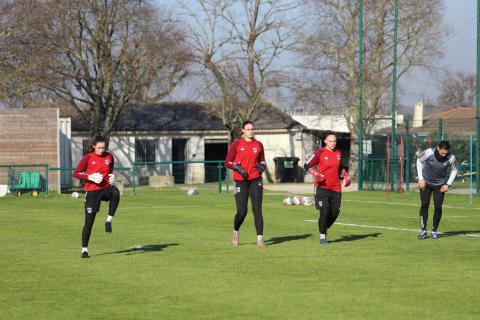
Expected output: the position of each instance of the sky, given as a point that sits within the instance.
(459, 52)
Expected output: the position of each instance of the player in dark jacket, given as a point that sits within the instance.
(432, 166)
(96, 169)
(247, 159)
(328, 187)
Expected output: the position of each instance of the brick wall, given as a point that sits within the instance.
(30, 136)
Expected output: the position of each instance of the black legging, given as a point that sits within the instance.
(243, 190)
(92, 206)
(328, 202)
(425, 196)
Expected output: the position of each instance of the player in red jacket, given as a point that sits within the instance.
(327, 180)
(247, 159)
(96, 169)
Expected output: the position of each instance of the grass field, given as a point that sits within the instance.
(169, 257)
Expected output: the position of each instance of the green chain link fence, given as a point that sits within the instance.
(39, 178)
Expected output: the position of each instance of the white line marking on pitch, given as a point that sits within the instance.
(141, 207)
(445, 216)
(406, 204)
(391, 228)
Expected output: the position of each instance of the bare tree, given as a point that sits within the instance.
(457, 89)
(101, 55)
(17, 83)
(237, 44)
(330, 56)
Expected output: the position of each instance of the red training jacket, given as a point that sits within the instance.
(329, 164)
(249, 154)
(92, 163)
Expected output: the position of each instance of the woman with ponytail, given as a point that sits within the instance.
(96, 169)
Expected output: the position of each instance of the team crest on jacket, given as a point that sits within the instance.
(254, 150)
(338, 157)
(242, 149)
(107, 161)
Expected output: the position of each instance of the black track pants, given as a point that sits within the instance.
(243, 190)
(328, 202)
(92, 206)
(425, 196)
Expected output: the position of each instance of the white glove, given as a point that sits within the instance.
(111, 178)
(95, 177)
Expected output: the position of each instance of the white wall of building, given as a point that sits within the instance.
(276, 143)
(281, 144)
(339, 123)
(322, 122)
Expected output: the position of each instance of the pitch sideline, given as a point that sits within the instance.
(390, 228)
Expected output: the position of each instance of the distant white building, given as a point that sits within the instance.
(337, 123)
(188, 132)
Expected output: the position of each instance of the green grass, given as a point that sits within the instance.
(187, 268)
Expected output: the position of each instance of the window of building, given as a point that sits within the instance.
(145, 150)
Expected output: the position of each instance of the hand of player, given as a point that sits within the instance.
(444, 188)
(317, 175)
(95, 177)
(346, 178)
(111, 178)
(421, 184)
(240, 170)
(261, 167)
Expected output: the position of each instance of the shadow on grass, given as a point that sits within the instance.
(354, 237)
(278, 240)
(458, 233)
(141, 249)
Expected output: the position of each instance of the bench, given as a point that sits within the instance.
(24, 181)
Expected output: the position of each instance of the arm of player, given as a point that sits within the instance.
(231, 154)
(421, 158)
(346, 178)
(111, 175)
(80, 173)
(453, 174)
(238, 167)
(262, 165)
(312, 161)
(421, 182)
(317, 175)
(111, 178)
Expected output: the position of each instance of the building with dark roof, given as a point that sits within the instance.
(189, 131)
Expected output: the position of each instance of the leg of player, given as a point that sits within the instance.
(438, 197)
(92, 205)
(425, 196)
(241, 199)
(256, 194)
(322, 204)
(334, 203)
(112, 195)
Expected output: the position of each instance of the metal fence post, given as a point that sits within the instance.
(477, 105)
(219, 167)
(227, 180)
(407, 156)
(46, 180)
(360, 92)
(394, 98)
(134, 168)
